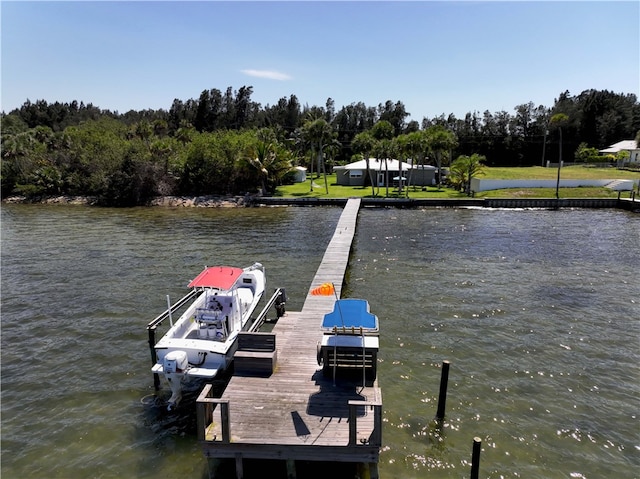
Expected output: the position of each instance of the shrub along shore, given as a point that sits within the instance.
(209, 201)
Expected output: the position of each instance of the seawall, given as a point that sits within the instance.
(629, 204)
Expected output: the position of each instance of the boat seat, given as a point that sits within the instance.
(256, 354)
(209, 315)
(212, 330)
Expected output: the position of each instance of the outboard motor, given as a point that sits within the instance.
(175, 365)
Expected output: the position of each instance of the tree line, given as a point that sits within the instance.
(226, 143)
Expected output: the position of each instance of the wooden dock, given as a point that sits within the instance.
(295, 413)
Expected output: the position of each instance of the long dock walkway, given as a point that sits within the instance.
(296, 414)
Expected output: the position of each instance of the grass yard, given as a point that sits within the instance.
(567, 172)
(303, 190)
(583, 192)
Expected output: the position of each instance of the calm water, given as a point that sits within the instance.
(537, 311)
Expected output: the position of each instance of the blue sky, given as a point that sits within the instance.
(434, 57)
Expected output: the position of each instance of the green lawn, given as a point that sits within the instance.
(303, 190)
(567, 172)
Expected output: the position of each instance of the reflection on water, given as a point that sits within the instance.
(536, 310)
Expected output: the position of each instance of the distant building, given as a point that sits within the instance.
(300, 174)
(383, 172)
(625, 145)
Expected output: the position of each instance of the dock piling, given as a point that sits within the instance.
(475, 458)
(442, 398)
(151, 332)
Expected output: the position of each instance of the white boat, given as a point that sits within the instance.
(203, 340)
(350, 340)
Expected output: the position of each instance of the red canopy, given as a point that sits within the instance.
(221, 277)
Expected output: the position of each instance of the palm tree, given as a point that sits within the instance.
(270, 159)
(440, 140)
(16, 145)
(143, 130)
(318, 134)
(411, 146)
(385, 149)
(48, 180)
(364, 144)
(465, 168)
(383, 132)
(263, 157)
(185, 133)
(160, 127)
(332, 150)
(161, 150)
(18, 162)
(559, 120)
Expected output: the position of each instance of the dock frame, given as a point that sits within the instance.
(295, 413)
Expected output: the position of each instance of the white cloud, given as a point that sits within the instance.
(269, 74)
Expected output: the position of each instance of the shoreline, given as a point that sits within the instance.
(208, 201)
(248, 201)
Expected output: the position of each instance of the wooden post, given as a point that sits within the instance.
(204, 410)
(239, 467)
(291, 469)
(376, 438)
(213, 466)
(226, 426)
(204, 414)
(475, 458)
(154, 357)
(363, 470)
(442, 398)
(352, 422)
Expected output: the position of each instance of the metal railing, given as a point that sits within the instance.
(153, 325)
(278, 300)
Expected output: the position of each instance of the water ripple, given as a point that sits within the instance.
(536, 311)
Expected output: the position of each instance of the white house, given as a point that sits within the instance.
(382, 171)
(625, 145)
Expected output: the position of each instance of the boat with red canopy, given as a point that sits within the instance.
(202, 342)
(220, 277)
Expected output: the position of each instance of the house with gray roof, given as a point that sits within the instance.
(385, 172)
